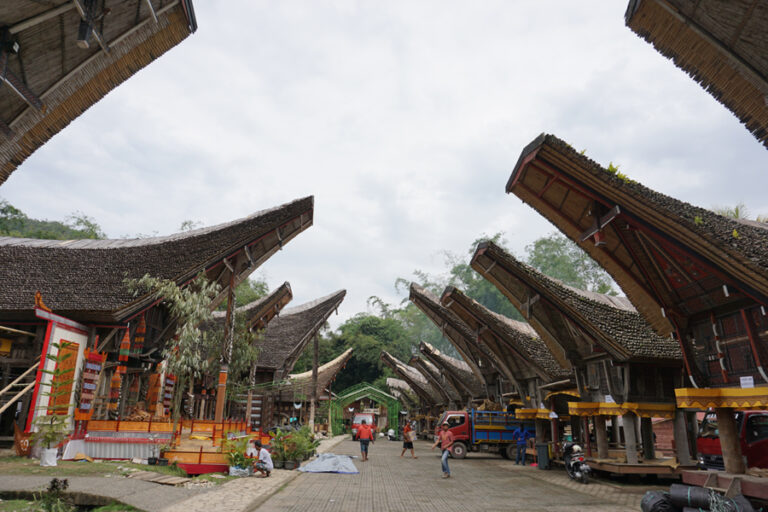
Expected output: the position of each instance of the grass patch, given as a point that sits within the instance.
(16, 506)
(116, 507)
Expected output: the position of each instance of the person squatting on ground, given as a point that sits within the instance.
(263, 463)
(521, 435)
(365, 435)
(408, 440)
(445, 438)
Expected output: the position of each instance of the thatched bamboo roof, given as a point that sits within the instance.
(259, 312)
(723, 45)
(672, 259)
(437, 378)
(420, 385)
(300, 384)
(574, 324)
(457, 371)
(515, 344)
(287, 335)
(84, 279)
(59, 78)
(402, 391)
(456, 331)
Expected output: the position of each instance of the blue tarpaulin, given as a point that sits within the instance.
(331, 463)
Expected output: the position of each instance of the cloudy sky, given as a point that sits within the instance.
(403, 119)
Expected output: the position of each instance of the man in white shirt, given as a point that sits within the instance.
(264, 463)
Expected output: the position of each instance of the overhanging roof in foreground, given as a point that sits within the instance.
(53, 78)
(673, 260)
(84, 279)
(723, 45)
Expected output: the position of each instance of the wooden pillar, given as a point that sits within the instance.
(313, 400)
(646, 435)
(586, 436)
(682, 446)
(630, 437)
(729, 441)
(601, 436)
(226, 353)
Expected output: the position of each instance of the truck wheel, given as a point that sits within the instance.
(509, 452)
(459, 450)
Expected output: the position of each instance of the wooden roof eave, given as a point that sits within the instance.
(445, 389)
(549, 302)
(713, 60)
(459, 380)
(398, 367)
(728, 265)
(495, 337)
(451, 330)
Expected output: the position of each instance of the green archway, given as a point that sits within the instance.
(356, 392)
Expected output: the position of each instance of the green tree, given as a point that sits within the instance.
(558, 257)
(14, 222)
(248, 291)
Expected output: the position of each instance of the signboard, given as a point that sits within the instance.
(747, 382)
(609, 399)
(72, 337)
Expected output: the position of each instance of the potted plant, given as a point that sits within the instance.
(235, 450)
(278, 449)
(53, 427)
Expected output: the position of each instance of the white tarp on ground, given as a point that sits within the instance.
(331, 463)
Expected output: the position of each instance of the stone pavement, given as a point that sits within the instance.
(244, 494)
(137, 493)
(480, 482)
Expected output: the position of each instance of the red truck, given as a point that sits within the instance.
(476, 431)
(753, 436)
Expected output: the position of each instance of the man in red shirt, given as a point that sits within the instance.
(365, 435)
(445, 438)
(408, 440)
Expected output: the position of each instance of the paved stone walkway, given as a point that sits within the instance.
(244, 494)
(485, 483)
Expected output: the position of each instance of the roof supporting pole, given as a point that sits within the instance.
(151, 10)
(313, 402)
(754, 343)
(87, 12)
(226, 353)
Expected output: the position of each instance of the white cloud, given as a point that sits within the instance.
(404, 119)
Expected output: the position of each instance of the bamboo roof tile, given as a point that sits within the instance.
(63, 78)
(286, 336)
(564, 312)
(722, 45)
(84, 279)
(671, 258)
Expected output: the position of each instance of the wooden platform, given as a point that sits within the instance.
(652, 467)
(751, 486)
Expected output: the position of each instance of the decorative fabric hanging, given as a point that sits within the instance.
(170, 380)
(114, 391)
(125, 348)
(138, 337)
(94, 362)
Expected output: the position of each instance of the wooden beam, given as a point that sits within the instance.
(151, 10)
(43, 16)
(16, 331)
(16, 84)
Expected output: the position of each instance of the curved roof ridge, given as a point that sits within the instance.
(340, 359)
(301, 308)
(625, 327)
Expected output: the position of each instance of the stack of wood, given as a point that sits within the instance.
(763, 473)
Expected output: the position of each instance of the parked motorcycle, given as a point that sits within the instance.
(575, 465)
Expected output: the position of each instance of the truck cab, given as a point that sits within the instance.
(357, 420)
(752, 427)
